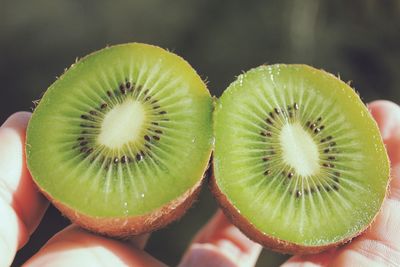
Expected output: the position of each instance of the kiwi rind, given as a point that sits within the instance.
(273, 242)
(128, 225)
(267, 241)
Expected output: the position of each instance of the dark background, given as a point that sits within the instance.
(359, 40)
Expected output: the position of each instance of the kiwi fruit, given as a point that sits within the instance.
(299, 164)
(120, 142)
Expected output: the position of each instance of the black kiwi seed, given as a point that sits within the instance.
(154, 123)
(326, 150)
(116, 160)
(277, 111)
(86, 126)
(271, 114)
(267, 172)
(85, 117)
(162, 112)
(329, 138)
(158, 131)
(109, 93)
(296, 106)
(266, 158)
(319, 119)
(322, 127)
(298, 193)
(103, 106)
(332, 158)
(327, 188)
(312, 126)
(147, 98)
(138, 157)
(123, 159)
(335, 187)
(290, 175)
(122, 89)
(147, 138)
(156, 107)
(93, 112)
(156, 137)
(80, 138)
(84, 143)
(317, 130)
(128, 85)
(269, 121)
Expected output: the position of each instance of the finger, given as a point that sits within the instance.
(139, 241)
(387, 115)
(219, 243)
(74, 246)
(21, 205)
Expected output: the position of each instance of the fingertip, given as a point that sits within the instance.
(387, 115)
(18, 120)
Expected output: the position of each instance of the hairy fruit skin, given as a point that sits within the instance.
(269, 242)
(125, 227)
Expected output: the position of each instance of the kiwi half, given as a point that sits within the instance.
(120, 142)
(299, 164)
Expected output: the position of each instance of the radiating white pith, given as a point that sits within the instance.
(122, 124)
(299, 150)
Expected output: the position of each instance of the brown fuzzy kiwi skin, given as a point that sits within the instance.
(126, 227)
(269, 242)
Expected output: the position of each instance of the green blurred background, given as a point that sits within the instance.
(359, 40)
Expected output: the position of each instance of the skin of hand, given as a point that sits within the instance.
(218, 243)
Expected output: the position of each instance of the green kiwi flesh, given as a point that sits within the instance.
(299, 164)
(122, 139)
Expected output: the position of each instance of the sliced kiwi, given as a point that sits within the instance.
(120, 142)
(299, 164)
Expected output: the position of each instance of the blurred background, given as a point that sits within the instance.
(358, 40)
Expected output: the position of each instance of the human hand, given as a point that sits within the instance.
(217, 244)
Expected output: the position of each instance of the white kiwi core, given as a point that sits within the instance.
(299, 150)
(122, 124)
